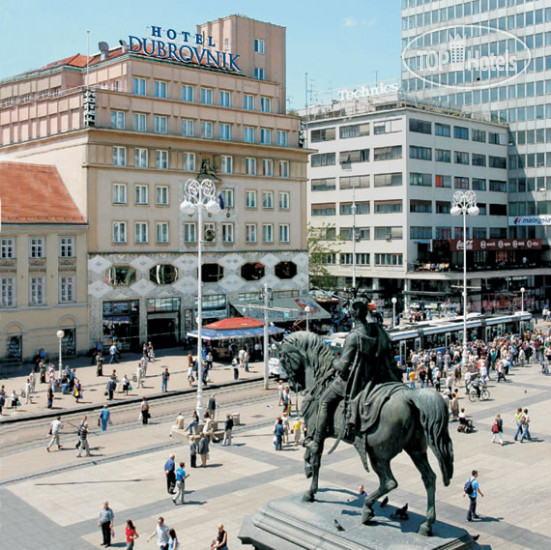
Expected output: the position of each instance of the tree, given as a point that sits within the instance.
(320, 252)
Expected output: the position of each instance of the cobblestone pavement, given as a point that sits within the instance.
(52, 500)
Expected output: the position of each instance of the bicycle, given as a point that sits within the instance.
(484, 395)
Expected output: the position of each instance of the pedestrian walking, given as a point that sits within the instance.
(235, 367)
(173, 542)
(211, 406)
(113, 354)
(131, 534)
(50, 397)
(203, 449)
(139, 376)
(170, 473)
(193, 451)
(111, 387)
(181, 477)
(55, 428)
(125, 384)
(472, 490)
(77, 390)
(105, 521)
(190, 377)
(297, 430)
(145, 415)
(28, 397)
(286, 401)
(221, 540)
(525, 425)
(164, 380)
(228, 427)
(517, 420)
(278, 434)
(161, 532)
(104, 418)
(497, 429)
(83, 440)
(280, 391)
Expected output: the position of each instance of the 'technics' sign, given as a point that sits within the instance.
(193, 48)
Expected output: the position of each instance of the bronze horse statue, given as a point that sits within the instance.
(403, 419)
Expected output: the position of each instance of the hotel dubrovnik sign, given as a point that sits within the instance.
(184, 47)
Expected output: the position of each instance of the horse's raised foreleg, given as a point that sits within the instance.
(387, 483)
(421, 461)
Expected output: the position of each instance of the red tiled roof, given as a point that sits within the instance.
(35, 193)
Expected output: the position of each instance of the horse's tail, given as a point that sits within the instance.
(434, 419)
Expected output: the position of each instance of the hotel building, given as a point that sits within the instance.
(127, 127)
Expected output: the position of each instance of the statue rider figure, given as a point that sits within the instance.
(349, 371)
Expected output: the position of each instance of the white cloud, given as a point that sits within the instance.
(353, 22)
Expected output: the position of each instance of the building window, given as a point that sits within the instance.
(66, 247)
(388, 207)
(479, 135)
(443, 233)
(349, 157)
(356, 182)
(189, 162)
(161, 232)
(227, 233)
(443, 130)
(119, 156)
(498, 139)
(225, 98)
(119, 232)
(461, 157)
(418, 206)
(120, 275)
(248, 102)
(248, 134)
(161, 160)
(424, 180)
(324, 209)
(187, 93)
(442, 181)
(497, 162)
(478, 159)
(141, 194)
(164, 274)
(442, 155)
(283, 168)
(140, 122)
(268, 233)
(268, 167)
(354, 130)
(120, 195)
(282, 138)
(284, 233)
(36, 247)
(250, 166)
(322, 134)
(139, 86)
(141, 232)
(459, 132)
(37, 291)
(118, 120)
(7, 248)
(460, 182)
(265, 104)
(66, 289)
(161, 195)
(284, 200)
(388, 259)
(387, 153)
(259, 73)
(421, 153)
(227, 196)
(265, 136)
(499, 186)
(324, 159)
(250, 199)
(267, 199)
(385, 180)
(160, 89)
(225, 132)
(479, 232)
(7, 289)
(188, 127)
(389, 233)
(140, 158)
(161, 125)
(250, 232)
(258, 45)
(479, 184)
(226, 164)
(420, 126)
(206, 129)
(323, 184)
(443, 207)
(190, 233)
(206, 96)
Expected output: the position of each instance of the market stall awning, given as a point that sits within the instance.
(235, 334)
(296, 309)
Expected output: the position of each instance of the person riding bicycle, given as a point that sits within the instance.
(475, 384)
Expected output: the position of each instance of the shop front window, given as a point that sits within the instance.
(120, 275)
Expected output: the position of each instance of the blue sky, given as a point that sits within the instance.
(338, 44)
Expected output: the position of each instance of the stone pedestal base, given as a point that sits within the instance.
(290, 524)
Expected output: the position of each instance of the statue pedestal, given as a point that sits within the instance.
(290, 524)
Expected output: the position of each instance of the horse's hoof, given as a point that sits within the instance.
(307, 497)
(367, 516)
(425, 530)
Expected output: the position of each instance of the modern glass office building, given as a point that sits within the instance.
(491, 57)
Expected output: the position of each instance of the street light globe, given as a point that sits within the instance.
(60, 334)
(212, 207)
(523, 290)
(393, 300)
(455, 211)
(187, 207)
(473, 210)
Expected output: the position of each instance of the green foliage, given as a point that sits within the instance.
(319, 249)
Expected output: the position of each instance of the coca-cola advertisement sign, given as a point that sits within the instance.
(495, 244)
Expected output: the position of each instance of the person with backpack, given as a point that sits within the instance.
(497, 429)
(472, 490)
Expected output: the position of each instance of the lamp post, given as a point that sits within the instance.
(307, 310)
(199, 196)
(522, 291)
(393, 300)
(464, 202)
(60, 334)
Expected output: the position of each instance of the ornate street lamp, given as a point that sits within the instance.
(60, 334)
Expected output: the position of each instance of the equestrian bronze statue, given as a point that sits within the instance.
(359, 398)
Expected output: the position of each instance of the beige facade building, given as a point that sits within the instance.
(43, 264)
(156, 112)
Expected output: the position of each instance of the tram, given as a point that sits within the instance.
(441, 333)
